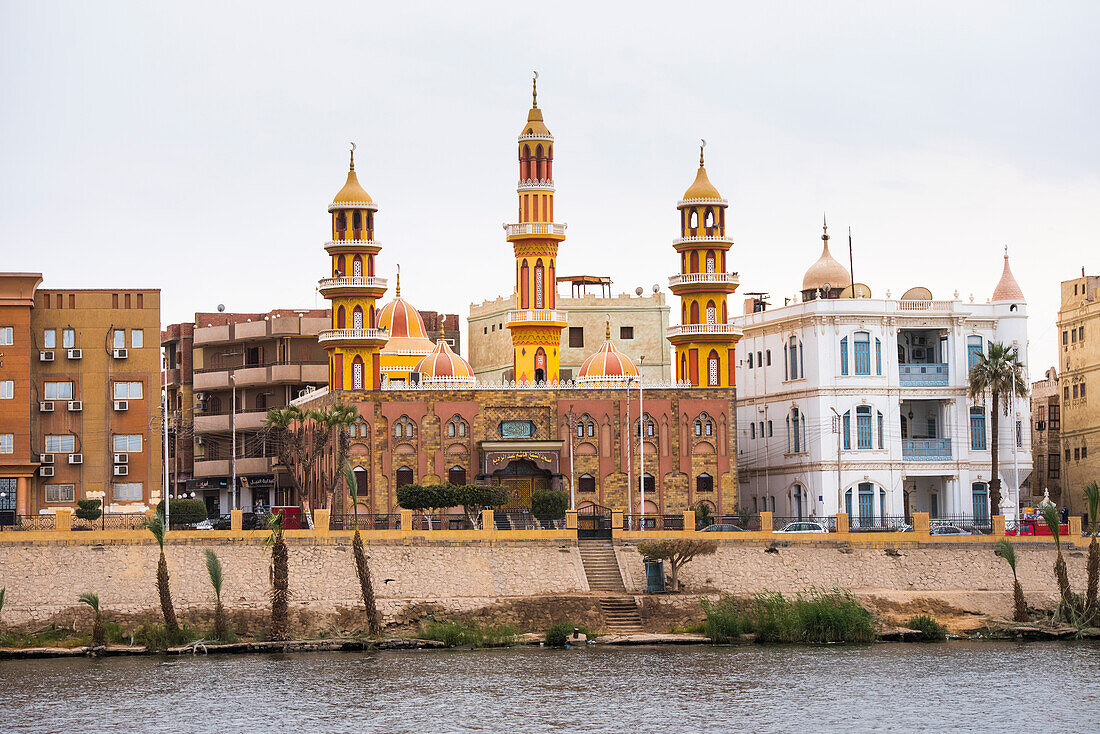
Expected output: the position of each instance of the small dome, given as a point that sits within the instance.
(402, 320)
(607, 364)
(535, 125)
(444, 364)
(352, 193)
(1007, 289)
(702, 188)
(826, 270)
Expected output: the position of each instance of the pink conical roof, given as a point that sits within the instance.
(1007, 289)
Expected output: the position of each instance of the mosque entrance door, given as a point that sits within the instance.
(521, 478)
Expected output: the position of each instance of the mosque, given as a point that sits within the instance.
(608, 438)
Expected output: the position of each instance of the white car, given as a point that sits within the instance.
(803, 527)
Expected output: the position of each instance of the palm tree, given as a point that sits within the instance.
(3, 591)
(362, 570)
(1006, 551)
(280, 578)
(214, 570)
(155, 525)
(1000, 374)
(92, 600)
(312, 445)
(1092, 492)
(1050, 516)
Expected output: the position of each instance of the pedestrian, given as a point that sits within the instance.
(1065, 515)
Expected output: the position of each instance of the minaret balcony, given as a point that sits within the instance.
(685, 282)
(546, 184)
(336, 206)
(363, 337)
(352, 245)
(535, 229)
(701, 202)
(684, 243)
(369, 285)
(539, 316)
(704, 330)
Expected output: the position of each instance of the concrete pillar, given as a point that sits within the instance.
(235, 520)
(1074, 526)
(920, 524)
(616, 520)
(571, 519)
(63, 520)
(488, 521)
(320, 523)
(999, 526)
(842, 523)
(21, 491)
(766, 522)
(689, 521)
(406, 521)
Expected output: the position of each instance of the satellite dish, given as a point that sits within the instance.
(639, 291)
(221, 307)
(827, 287)
(656, 288)
(919, 293)
(861, 289)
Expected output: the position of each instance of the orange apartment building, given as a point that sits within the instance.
(79, 397)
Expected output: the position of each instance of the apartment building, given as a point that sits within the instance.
(1079, 364)
(1046, 442)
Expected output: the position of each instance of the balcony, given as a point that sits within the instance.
(703, 330)
(354, 282)
(707, 239)
(247, 420)
(222, 467)
(704, 279)
(549, 229)
(259, 330)
(217, 378)
(380, 336)
(540, 315)
(926, 449)
(923, 375)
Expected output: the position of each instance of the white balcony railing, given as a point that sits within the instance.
(536, 315)
(716, 278)
(531, 184)
(351, 281)
(548, 228)
(685, 329)
(332, 335)
(926, 305)
(705, 239)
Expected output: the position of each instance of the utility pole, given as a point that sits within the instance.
(837, 429)
(164, 420)
(572, 476)
(233, 431)
(629, 463)
(641, 439)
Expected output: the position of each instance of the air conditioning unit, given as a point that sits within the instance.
(45, 471)
(45, 356)
(121, 471)
(76, 458)
(75, 354)
(122, 458)
(122, 405)
(46, 406)
(119, 354)
(75, 406)
(45, 458)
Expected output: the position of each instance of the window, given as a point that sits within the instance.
(863, 427)
(60, 444)
(768, 357)
(7, 390)
(1073, 335)
(626, 332)
(60, 492)
(846, 430)
(456, 475)
(881, 432)
(127, 492)
(878, 356)
(973, 351)
(750, 360)
(1019, 434)
(1084, 452)
(59, 391)
(586, 483)
(576, 336)
(120, 338)
(49, 339)
(1082, 389)
(792, 351)
(127, 391)
(980, 494)
(712, 370)
(357, 372)
(977, 429)
(844, 356)
(68, 338)
(7, 443)
(752, 429)
(580, 430)
(127, 443)
(404, 477)
(1065, 392)
(7, 336)
(769, 429)
(591, 427)
(137, 338)
(1065, 338)
(1075, 391)
(362, 487)
(862, 353)
(704, 483)
(794, 435)
(1076, 454)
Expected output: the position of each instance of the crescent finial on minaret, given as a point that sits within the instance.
(397, 292)
(703, 145)
(535, 90)
(352, 166)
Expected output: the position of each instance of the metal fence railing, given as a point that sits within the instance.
(366, 522)
(26, 522)
(977, 525)
(888, 524)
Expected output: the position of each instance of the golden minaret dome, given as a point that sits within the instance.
(702, 188)
(353, 192)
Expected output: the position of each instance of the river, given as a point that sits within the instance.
(970, 686)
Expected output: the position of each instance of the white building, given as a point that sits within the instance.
(882, 382)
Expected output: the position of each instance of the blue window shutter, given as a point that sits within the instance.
(801, 362)
(786, 366)
(880, 436)
(844, 356)
(848, 430)
(878, 357)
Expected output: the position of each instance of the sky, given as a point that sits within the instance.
(194, 147)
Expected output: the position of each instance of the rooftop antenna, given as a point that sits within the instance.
(851, 267)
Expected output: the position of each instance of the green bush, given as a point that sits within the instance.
(930, 629)
(184, 511)
(88, 510)
(703, 516)
(458, 634)
(156, 636)
(820, 616)
(559, 634)
(549, 504)
(725, 620)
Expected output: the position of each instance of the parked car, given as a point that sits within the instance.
(948, 530)
(803, 527)
(1030, 526)
(722, 528)
(207, 524)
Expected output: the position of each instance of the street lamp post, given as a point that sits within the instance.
(164, 419)
(572, 477)
(838, 426)
(233, 450)
(641, 440)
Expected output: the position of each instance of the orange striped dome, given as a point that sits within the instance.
(608, 364)
(401, 320)
(444, 364)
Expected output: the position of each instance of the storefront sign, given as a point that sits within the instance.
(502, 459)
(260, 481)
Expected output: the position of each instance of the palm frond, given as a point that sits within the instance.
(3, 591)
(214, 570)
(1007, 551)
(1050, 517)
(90, 599)
(1092, 492)
(155, 525)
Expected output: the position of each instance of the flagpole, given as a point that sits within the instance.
(851, 265)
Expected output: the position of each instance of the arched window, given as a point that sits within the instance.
(704, 483)
(539, 299)
(261, 401)
(357, 267)
(405, 477)
(973, 351)
(710, 262)
(540, 365)
(650, 426)
(340, 269)
(451, 430)
(580, 430)
(591, 426)
(357, 222)
(980, 500)
(683, 367)
(698, 428)
(524, 301)
(525, 164)
(712, 369)
(456, 475)
(712, 313)
(977, 428)
(586, 483)
(341, 318)
(844, 356)
(866, 502)
(794, 363)
(794, 431)
(341, 224)
(362, 486)
(373, 323)
(404, 428)
(709, 220)
(357, 373)
(357, 318)
(695, 312)
(694, 221)
(694, 259)
(846, 429)
(862, 353)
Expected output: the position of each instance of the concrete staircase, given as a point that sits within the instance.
(602, 571)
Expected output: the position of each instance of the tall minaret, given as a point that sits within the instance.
(535, 324)
(354, 341)
(705, 339)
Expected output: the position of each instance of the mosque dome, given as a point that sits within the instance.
(607, 364)
(443, 364)
(826, 271)
(535, 126)
(1007, 288)
(702, 188)
(405, 326)
(352, 193)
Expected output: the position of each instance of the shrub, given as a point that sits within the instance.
(703, 516)
(157, 637)
(548, 505)
(558, 635)
(820, 616)
(458, 634)
(930, 629)
(184, 511)
(725, 620)
(88, 510)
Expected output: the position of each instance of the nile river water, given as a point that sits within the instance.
(962, 686)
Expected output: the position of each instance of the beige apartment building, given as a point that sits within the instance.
(1046, 444)
(1079, 361)
(638, 327)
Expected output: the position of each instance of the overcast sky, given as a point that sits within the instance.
(194, 147)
